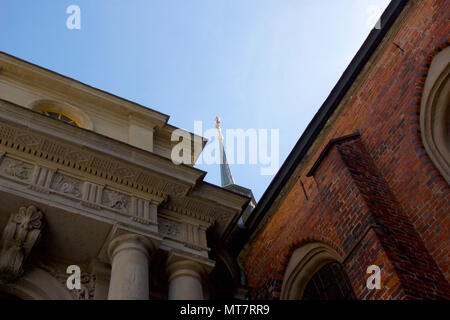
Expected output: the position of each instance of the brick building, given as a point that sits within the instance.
(368, 181)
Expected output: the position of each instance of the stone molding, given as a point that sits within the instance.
(131, 241)
(91, 162)
(88, 165)
(183, 264)
(436, 169)
(304, 262)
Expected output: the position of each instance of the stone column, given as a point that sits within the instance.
(130, 258)
(185, 276)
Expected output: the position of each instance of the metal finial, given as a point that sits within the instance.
(219, 128)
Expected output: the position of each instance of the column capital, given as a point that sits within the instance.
(185, 264)
(131, 241)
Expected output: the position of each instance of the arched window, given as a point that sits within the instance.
(435, 113)
(60, 116)
(63, 112)
(315, 272)
(329, 283)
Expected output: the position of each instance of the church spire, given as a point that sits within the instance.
(225, 173)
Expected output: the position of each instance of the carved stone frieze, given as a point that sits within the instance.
(198, 210)
(116, 200)
(76, 157)
(90, 161)
(20, 235)
(107, 180)
(28, 140)
(169, 228)
(17, 169)
(67, 185)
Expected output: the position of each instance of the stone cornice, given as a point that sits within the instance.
(30, 77)
(90, 141)
(37, 139)
(96, 156)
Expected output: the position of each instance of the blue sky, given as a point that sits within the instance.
(263, 64)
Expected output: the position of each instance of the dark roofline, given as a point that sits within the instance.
(317, 123)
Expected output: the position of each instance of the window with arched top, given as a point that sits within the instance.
(63, 112)
(435, 113)
(315, 272)
(61, 116)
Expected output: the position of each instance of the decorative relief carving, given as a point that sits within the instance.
(222, 216)
(87, 280)
(124, 173)
(102, 164)
(7, 133)
(19, 236)
(115, 200)
(199, 210)
(67, 185)
(50, 147)
(16, 168)
(76, 157)
(169, 228)
(140, 220)
(96, 164)
(93, 163)
(27, 140)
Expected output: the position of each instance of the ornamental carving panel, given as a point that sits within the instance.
(7, 133)
(115, 200)
(76, 157)
(169, 228)
(124, 173)
(67, 185)
(198, 209)
(19, 236)
(52, 148)
(27, 140)
(17, 169)
(81, 159)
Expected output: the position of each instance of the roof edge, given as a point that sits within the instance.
(63, 77)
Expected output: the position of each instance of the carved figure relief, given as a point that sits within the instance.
(115, 200)
(16, 168)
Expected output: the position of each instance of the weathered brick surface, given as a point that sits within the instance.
(416, 201)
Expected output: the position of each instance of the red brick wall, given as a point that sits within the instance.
(385, 111)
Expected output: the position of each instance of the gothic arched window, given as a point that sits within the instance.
(435, 113)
